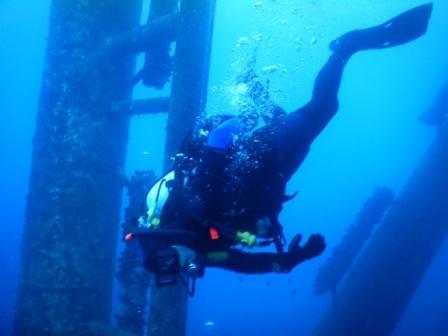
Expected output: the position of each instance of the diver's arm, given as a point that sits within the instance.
(256, 263)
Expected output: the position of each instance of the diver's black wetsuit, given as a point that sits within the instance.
(275, 152)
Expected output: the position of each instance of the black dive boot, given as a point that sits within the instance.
(402, 29)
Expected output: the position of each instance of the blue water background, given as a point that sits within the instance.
(376, 139)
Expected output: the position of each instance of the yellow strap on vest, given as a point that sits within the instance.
(155, 222)
(246, 238)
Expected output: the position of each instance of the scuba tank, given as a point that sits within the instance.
(155, 201)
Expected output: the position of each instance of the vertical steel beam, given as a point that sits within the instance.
(168, 309)
(379, 286)
(73, 205)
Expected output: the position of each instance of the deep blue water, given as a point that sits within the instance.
(376, 139)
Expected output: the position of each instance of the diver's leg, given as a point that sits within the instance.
(402, 29)
(313, 117)
(293, 135)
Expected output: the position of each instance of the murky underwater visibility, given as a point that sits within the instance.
(373, 183)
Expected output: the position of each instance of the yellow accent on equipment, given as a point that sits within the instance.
(155, 222)
(246, 238)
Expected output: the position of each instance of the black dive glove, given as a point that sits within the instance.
(297, 254)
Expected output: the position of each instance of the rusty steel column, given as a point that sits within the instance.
(73, 206)
(379, 286)
(168, 309)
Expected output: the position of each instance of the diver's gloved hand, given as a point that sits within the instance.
(312, 248)
(297, 254)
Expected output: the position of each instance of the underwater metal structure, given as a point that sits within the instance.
(73, 205)
(436, 114)
(134, 279)
(168, 308)
(388, 271)
(191, 72)
(344, 254)
(157, 69)
(72, 214)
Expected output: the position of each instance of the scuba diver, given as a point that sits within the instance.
(229, 179)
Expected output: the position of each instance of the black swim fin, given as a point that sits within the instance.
(402, 29)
